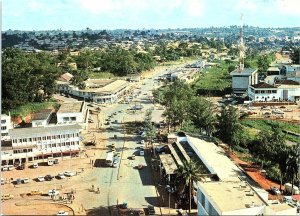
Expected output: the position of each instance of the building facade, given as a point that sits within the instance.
(6, 125)
(242, 79)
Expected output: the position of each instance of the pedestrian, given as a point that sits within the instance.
(60, 186)
(76, 172)
(94, 153)
(92, 187)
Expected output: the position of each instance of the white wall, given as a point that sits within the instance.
(60, 117)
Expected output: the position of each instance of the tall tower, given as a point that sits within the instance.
(241, 47)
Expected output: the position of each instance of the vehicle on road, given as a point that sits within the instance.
(142, 153)
(40, 178)
(48, 177)
(21, 167)
(53, 192)
(116, 161)
(2, 181)
(25, 180)
(109, 159)
(68, 173)
(60, 176)
(151, 210)
(7, 196)
(18, 181)
(10, 167)
(62, 212)
(35, 192)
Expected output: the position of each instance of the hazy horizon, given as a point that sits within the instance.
(68, 15)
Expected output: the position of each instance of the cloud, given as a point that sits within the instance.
(246, 5)
(290, 7)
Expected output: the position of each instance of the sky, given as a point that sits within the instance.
(146, 14)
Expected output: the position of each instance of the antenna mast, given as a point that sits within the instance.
(241, 46)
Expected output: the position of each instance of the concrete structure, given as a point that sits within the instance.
(281, 90)
(97, 90)
(73, 113)
(226, 190)
(242, 79)
(6, 125)
(28, 144)
(42, 118)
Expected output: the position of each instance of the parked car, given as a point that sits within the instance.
(60, 176)
(275, 190)
(25, 180)
(34, 166)
(40, 178)
(48, 177)
(10, 167)
(4, 168)
(53, 192)
(62, 212)
(18, 181)
(35, 192)
(21, 167)
(142, 153)
(68, 173)
(2, 181)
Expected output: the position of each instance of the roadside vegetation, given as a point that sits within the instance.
(215, 81)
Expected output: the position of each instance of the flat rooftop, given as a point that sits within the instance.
(42, 115)
(230, 196)
(105, 86)
(168, 163)
(215, 159)
(20, 133)
(71, 107)
(244, 72)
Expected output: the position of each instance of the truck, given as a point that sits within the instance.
(109, 159)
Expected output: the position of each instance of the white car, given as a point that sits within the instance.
(2, 181)
(25, 180)
(35, 165)
(5, 168)
(62, 212)
(41, 178)
(142, 153)
(61, 176)
(53, 192)
(68, 173)
(142, 141)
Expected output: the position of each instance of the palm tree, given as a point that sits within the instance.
(189, 172)
(293, 164)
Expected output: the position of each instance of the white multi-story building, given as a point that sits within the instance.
(242, 79)
(97, 90)
(284, 90)
(73, 113)
(28, 144)
(6, 125)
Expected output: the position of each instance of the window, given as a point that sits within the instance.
(53, 145)
(44, 138)
(256, 91)
(53, 137)
(68, 135)
(49, 137)
(67, 143)
(30, 139)
(39, 138)
(65, 119)
(57, 136)
(3, 128)
(63, 136)
(73, 118)
(274, 91)
(20, 140)
(3, 121)
(24, 140)
(15, 141)
(269, 91)
(58, 145)
(262, 91)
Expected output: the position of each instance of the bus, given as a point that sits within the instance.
(109, 159)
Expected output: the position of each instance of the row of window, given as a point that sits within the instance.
(263, 91)
(40, 147)
(3, 128)
(3, 121)
(22, 151)
(62, 136)
(69, 119)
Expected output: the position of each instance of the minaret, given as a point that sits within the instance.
(241, 47)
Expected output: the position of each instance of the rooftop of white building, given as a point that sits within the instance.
(20, 133)
(42, 115)
(71, 107)
(215, 159)
(231, 196)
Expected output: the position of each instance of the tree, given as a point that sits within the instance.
(263, 63)
(149, 128)
(293, 163)
(229, 127)
(295, 55)
(187, 174)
